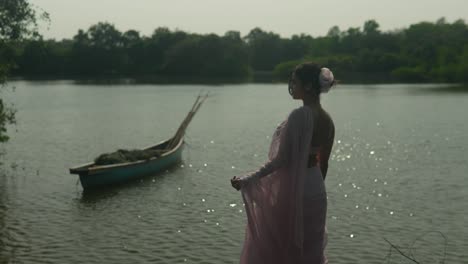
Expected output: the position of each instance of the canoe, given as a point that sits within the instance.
(94, 176)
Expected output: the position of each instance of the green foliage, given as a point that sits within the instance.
(122, 156)
(283, 70)
(423, 52)
(265, 49)
(207, 56)
(7, 116)
(411, 74)
(462, 70)
(17, 20)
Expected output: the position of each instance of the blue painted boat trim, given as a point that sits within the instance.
(96, 176)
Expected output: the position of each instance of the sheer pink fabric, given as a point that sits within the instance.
(274, 200)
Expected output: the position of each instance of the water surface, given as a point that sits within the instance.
(397, 172)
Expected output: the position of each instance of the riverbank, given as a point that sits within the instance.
(255, 77)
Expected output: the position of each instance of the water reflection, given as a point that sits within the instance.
(94, 196)
(8, 235)
(449, 89)
(89, 196)
(3, 212)
(48, 208)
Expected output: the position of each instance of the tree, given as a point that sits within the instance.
(334, 32)
(265, 49)
(428, 51)
(158, 45)
(371, 27)
(100, 50)
(17, 20)
(207, 56)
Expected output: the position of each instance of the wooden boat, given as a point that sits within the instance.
(93, 176)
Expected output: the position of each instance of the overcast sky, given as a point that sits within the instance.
(285, 17)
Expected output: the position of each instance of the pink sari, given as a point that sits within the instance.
(284, 226)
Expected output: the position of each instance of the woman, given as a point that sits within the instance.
(285, 199)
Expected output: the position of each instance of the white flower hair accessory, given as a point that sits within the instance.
(326, 80)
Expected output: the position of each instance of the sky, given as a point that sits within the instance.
(284, 17)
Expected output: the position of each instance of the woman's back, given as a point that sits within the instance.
(324, 129)
(322, 140)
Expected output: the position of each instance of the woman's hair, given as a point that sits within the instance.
(308, 73)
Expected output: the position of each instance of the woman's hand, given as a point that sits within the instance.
(236, 182)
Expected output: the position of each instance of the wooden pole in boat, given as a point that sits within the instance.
(183, 126)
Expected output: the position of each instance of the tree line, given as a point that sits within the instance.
(423, 52)
(18, 20)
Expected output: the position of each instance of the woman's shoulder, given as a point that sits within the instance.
(328, 117)
(302, 113)
(301, 110)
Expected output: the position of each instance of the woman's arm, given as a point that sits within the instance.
(266, 169)
(299, 122)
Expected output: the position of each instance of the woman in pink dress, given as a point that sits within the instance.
(285, 200)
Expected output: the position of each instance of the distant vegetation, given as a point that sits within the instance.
(18, 20)
(423, 52)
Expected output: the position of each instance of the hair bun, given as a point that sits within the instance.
(326, 80)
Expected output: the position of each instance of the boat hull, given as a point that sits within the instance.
(95, 177)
